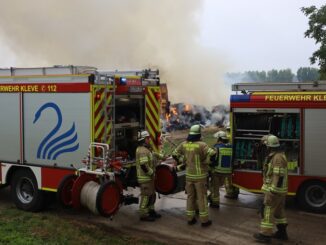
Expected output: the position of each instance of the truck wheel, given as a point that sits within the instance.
(24, 191)
(64, 195)
(312, 196)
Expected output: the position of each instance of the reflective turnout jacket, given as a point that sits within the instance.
(275, 174)
(222, 162)
(144, 164)
(194, 156)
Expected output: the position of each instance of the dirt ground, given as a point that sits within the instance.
(233, 223)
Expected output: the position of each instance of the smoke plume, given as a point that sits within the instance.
(118, 34)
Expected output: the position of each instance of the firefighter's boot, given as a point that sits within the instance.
(214, 205)
(152, 213)
(206, 224)
(281, 233)
(193, 221)
(262, 238)
(147, 218)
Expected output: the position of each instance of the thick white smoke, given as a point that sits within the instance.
(118, 34)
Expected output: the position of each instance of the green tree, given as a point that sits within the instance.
(285, 75)
(272, 76)
(317, 31)
(307, 74)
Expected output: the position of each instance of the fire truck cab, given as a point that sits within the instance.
(296, 114)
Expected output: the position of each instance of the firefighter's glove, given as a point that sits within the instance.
(180, 167)
(175, 158)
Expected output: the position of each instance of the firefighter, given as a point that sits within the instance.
(192, 154)
(275, 186)
(145, 176)
(221, 170)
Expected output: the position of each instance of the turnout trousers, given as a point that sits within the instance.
(216, 182)
(147, 198)
(273, 212)
(197, 196)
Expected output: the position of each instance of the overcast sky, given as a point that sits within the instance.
(259, 34)
(249, 35)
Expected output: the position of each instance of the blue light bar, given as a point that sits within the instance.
(240, 98)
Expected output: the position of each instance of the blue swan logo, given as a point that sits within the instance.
(51, 147)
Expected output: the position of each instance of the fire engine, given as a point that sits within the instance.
(294, 112)
(73, 130)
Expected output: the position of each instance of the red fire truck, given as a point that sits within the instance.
(73, 130)
(296, 113)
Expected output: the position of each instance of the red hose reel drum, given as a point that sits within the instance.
(166, 179)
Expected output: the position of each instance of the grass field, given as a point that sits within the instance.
(19, 227)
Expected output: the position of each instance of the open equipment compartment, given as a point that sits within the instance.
(250, 127)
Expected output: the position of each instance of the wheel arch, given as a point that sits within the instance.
(307, 181)
(303, 197)
(35, 170)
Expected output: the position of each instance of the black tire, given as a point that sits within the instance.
(24, 191)
(312, 196)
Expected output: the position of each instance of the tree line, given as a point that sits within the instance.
(303, 74)
(317, 31)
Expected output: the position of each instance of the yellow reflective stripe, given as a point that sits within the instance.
(150, 130)
(281, 221)
(266, 225)
(47, 189)
(279, 171)
(292, 165)
(197, 164)
(203, 214)
(278, 190)
(99, 130)
(155, 112)
(190, 212)
(143, 159)
(192, 176)
(156, 103)
(191, 146)
(226, 151)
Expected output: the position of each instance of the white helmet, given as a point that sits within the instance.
(221, 134)
(272, 141)
(142, 135)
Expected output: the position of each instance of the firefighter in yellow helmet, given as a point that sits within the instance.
(221, 170)
(145, 176)
(192, 154)
(275, 187)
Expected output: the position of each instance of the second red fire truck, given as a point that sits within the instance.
(294, 112)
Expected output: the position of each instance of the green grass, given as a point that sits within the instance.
(19, 227)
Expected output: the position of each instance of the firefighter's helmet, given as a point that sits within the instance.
(195, 130)
(142, 135)
(272, 141)
(221, 134)
(263, 139)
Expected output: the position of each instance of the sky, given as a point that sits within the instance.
(259, 34)
(193, 42)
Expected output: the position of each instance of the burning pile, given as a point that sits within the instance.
(182, 116)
